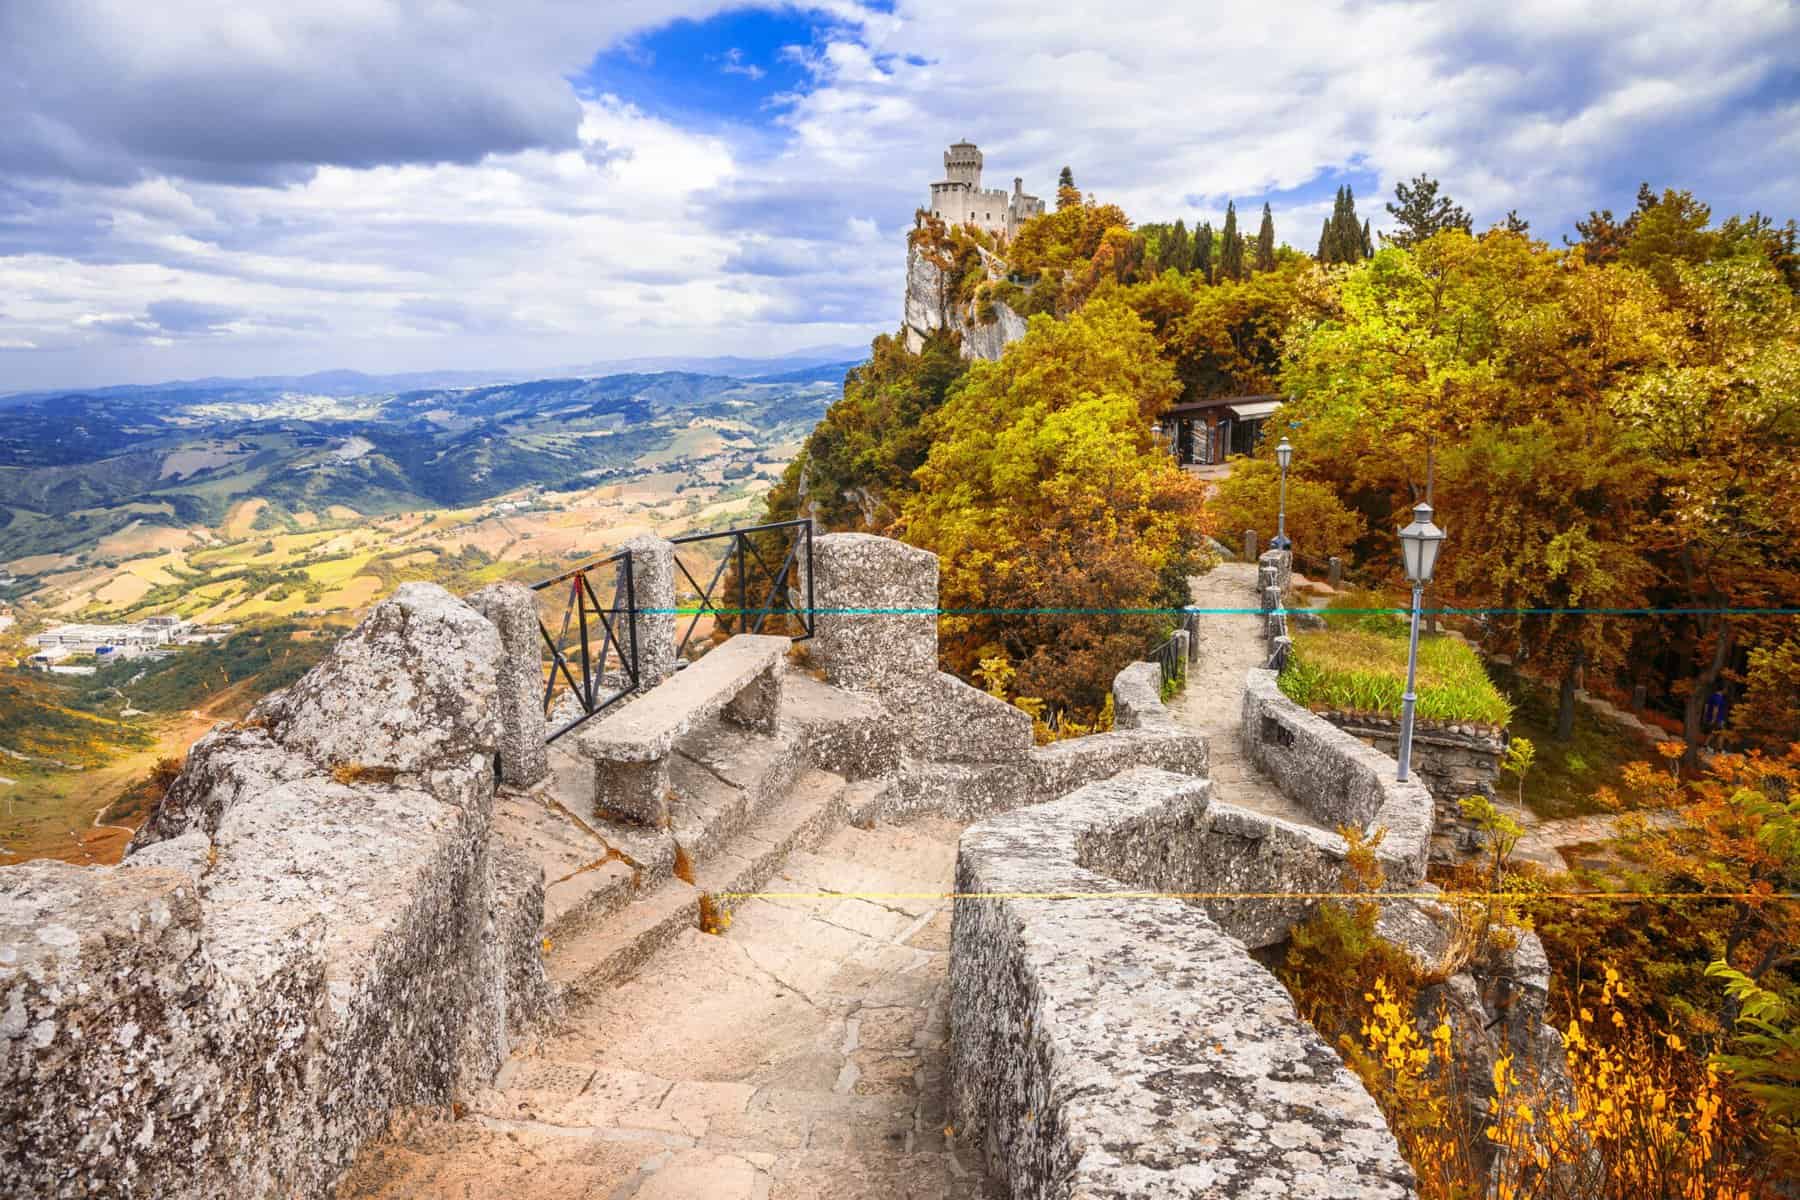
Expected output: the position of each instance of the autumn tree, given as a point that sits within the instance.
(1046, 488)
(1720, 411)
(1421, 212)
(1545, 520)
(1225, 339)
(1265, 241)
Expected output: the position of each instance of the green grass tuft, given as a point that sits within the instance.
(1355, 669)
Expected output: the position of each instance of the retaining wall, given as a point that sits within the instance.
(1452, 761)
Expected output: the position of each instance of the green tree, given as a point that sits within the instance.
(1344, 239)
(1265, 241)
(1203, 251)
(1067, 195)
(1421, 212)
(1231, 258)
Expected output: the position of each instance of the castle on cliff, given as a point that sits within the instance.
(959, 198)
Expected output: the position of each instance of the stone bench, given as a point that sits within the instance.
(739, 680)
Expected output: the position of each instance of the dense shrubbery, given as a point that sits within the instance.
(1045, 488)
(1248, 499)
(858, 464)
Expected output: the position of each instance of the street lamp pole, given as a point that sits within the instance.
(1419, 545)
(1284, 454)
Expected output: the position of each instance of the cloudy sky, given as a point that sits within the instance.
(279, 186)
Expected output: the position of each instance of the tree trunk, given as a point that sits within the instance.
(1565, 706)
(1692, 727)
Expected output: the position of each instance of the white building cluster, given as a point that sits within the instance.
(108, 641)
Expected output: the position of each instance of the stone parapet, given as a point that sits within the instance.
(1137, 699)
(876, 628)
(1452, 761)
(513, 613)
(1129, 1046)
(1337, 778)
(653, 619)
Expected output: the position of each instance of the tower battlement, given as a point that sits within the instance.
(959, 198)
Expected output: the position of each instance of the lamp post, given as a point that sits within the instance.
(1284, 454)
(1419, 544)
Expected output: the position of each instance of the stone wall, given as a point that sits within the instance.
(965, 753)
(1452, 761)
(1125, 1046)
(1336, 778)
(312, 929)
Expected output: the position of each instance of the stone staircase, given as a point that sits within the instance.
(741, 804)
(803, 1053)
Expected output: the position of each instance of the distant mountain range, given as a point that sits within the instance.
(815, 364)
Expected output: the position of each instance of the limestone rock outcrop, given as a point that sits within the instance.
(931, 304)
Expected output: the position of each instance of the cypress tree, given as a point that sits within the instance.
(1368, 243)
(1231, 246)
(1203, 251)
(1324, 239)
(1172, 251)
(1265, 241)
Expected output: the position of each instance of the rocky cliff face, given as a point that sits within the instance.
(931, 304)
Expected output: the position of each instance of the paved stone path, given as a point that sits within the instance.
(1212, 701)
(1542, 840)
(802, 1055)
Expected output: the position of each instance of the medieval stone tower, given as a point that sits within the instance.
(959, 198)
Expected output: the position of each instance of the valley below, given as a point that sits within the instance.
(269, 518)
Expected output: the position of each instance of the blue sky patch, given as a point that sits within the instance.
(727, 70)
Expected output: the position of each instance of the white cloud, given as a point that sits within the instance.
(452, 201)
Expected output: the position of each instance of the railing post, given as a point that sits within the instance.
(511, 609)
(652, 608)
(1249, 545)
(743, 621)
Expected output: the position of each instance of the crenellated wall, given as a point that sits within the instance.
(313, 929)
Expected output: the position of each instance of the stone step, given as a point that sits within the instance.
(719, 776)
(602, 953)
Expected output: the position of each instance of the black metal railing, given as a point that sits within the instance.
(753, 576)
(604, 650)
(1170, 656)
